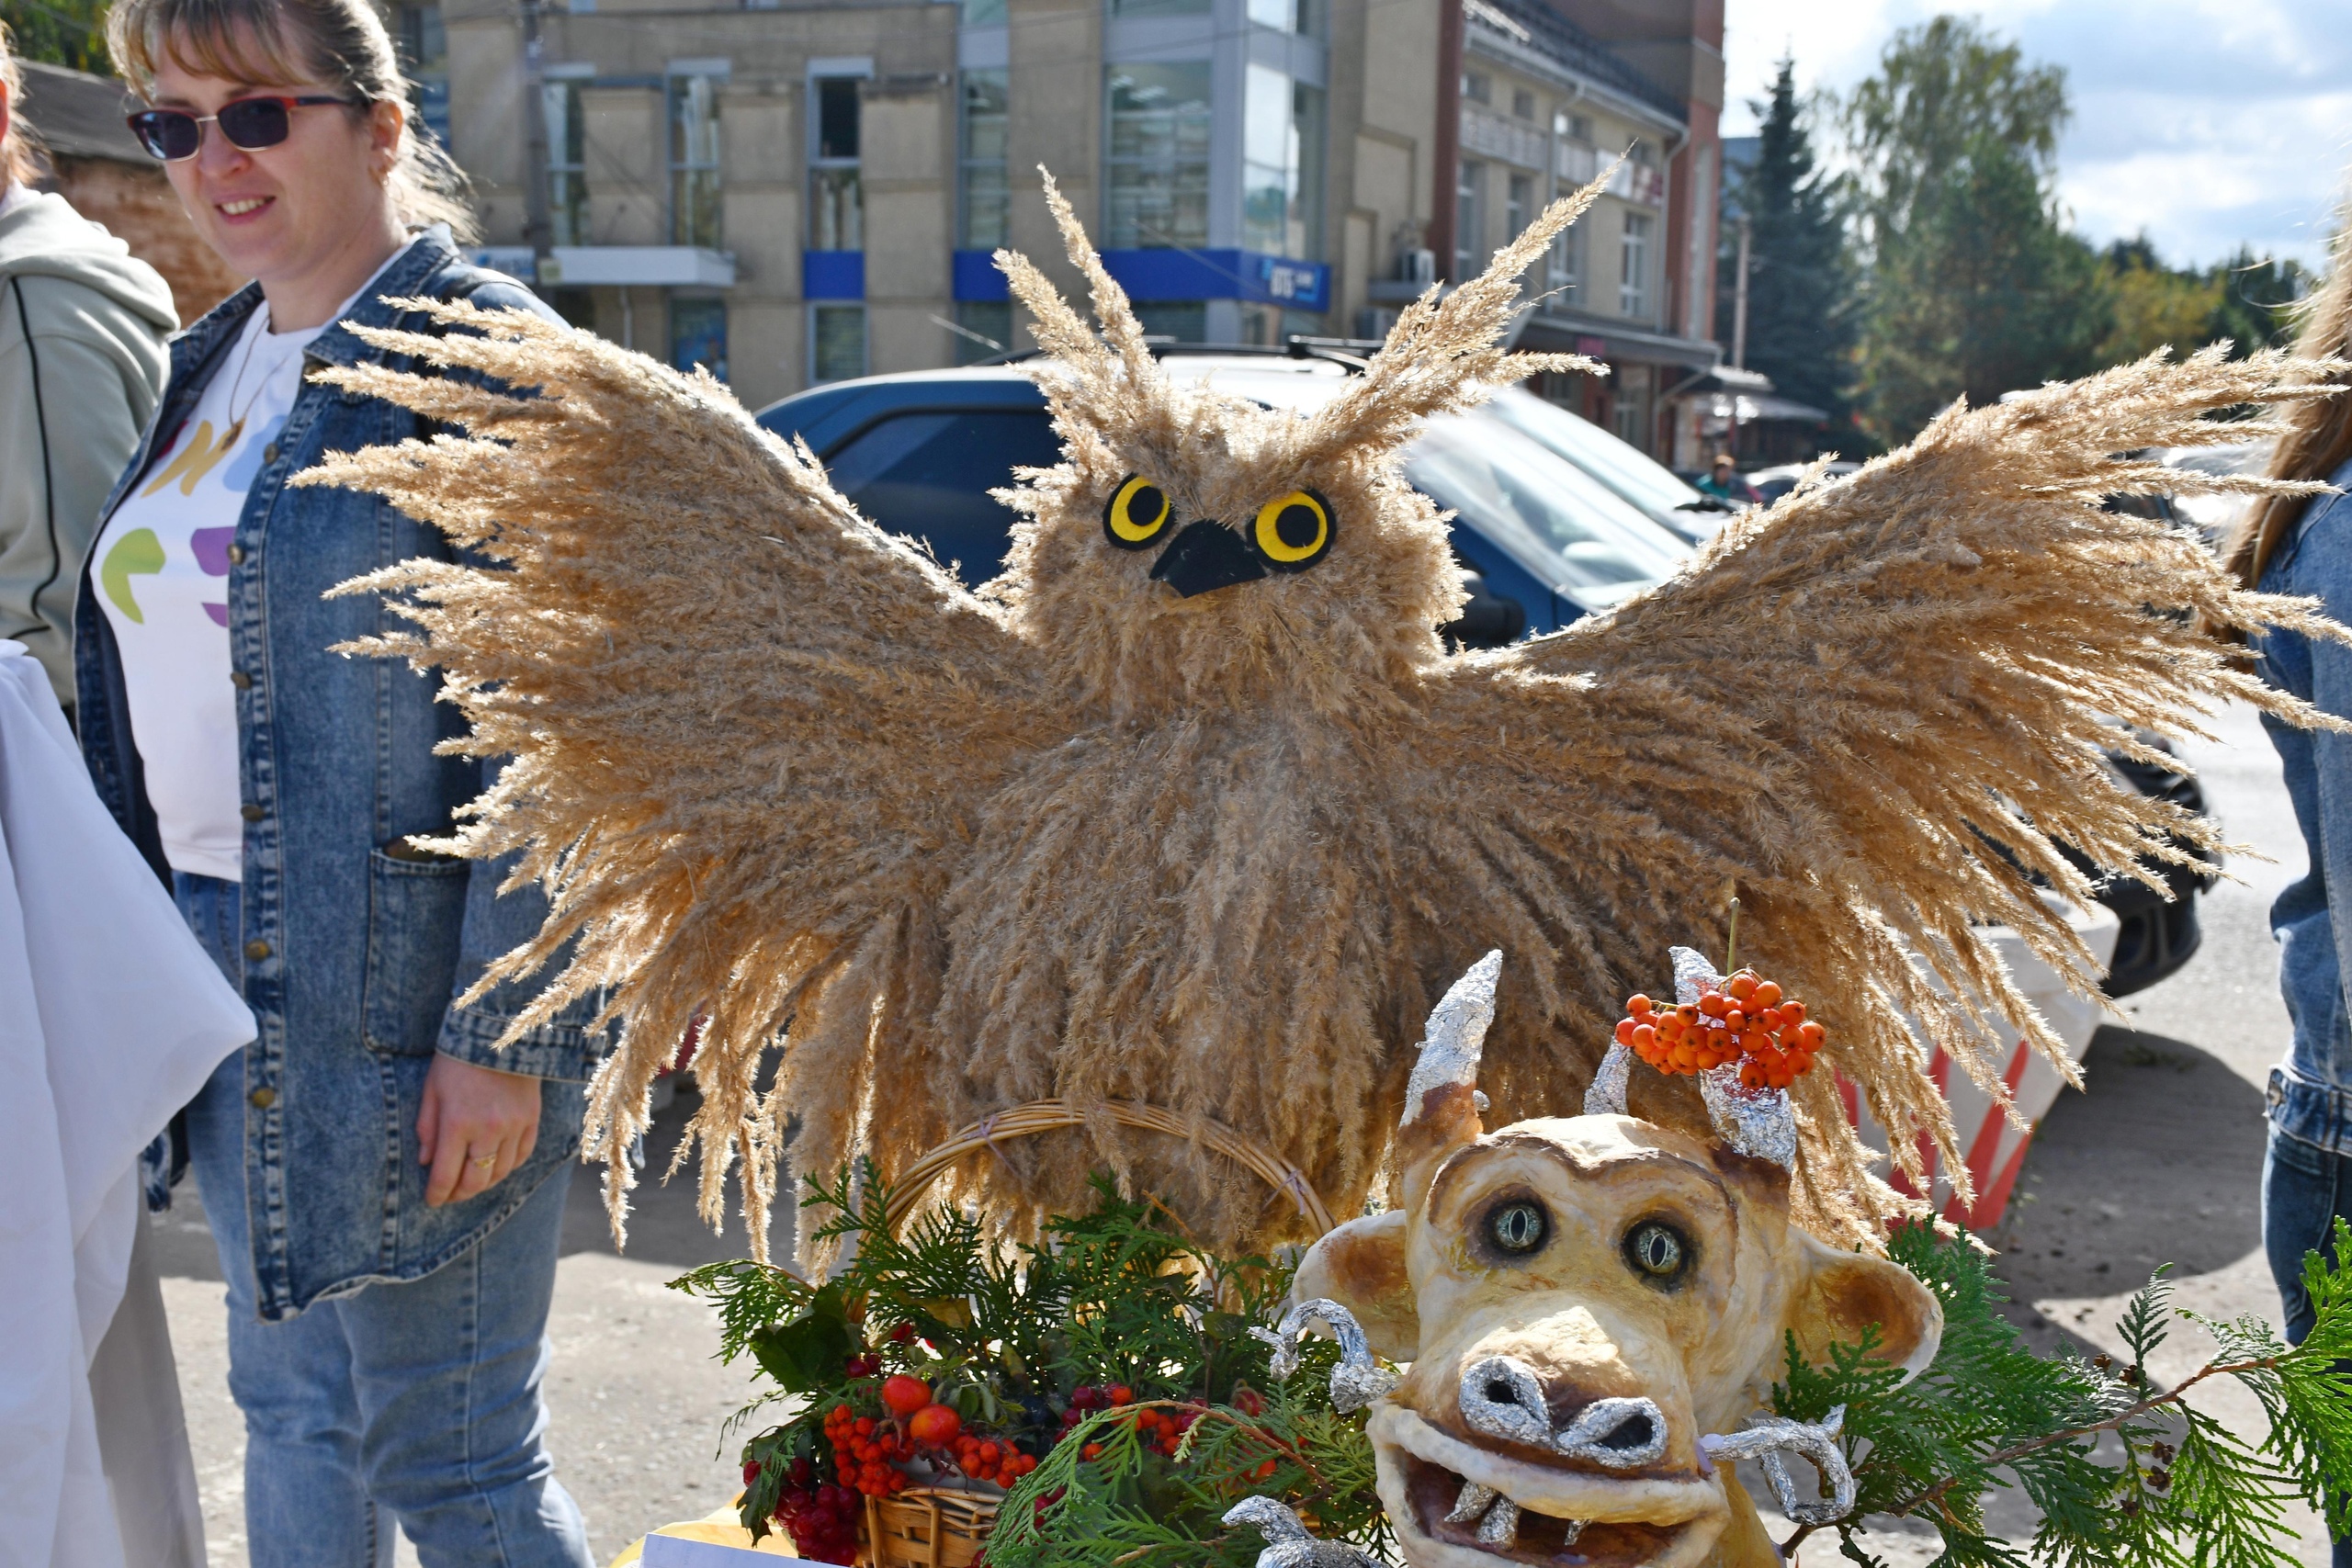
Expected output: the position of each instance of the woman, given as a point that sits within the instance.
(385, 1189)
(2303, 546)
(81, 331)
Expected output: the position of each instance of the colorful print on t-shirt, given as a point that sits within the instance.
(164, 567)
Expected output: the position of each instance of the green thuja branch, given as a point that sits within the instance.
(2185, 1491)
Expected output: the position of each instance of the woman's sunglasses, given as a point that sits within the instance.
(250, 123)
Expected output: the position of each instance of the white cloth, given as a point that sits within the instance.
(164, 579)
(112, 1017)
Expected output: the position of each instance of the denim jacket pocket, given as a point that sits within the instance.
(416, 912)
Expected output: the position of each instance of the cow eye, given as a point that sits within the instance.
(1657, 1251)
(1519, 1227)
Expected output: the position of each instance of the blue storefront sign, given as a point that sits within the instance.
(1165, 273)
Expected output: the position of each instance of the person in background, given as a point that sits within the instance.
(2302, 545)
(1725, 483)
(385, 1188)
(81, 331)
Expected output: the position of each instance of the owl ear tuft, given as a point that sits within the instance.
(1119, 363)
(1447, 352)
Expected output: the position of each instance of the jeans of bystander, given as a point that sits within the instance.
(416, 1400)
(2304, 1190)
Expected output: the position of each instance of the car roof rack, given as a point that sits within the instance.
(1352, 355)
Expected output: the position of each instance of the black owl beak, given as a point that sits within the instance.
(1205, 557)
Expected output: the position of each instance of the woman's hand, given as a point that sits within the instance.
(476, 1125)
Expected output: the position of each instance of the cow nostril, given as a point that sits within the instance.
(1501, 1392)
(1636, 1431)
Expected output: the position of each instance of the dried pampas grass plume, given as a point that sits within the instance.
(1080, 837)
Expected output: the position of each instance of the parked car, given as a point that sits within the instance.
(1679, 507)
(1774, 483)
(1544, 542)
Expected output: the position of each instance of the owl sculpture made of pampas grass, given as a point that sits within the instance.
(1192, 807)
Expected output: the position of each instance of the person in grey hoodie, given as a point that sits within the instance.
(82, 362)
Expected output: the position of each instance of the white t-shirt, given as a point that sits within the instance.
(162, 572)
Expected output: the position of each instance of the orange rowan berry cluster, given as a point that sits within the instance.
(1745, 1021)
(863, 1450)
(988, 1459)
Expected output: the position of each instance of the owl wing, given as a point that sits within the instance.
(747, 728)
(1873, 711)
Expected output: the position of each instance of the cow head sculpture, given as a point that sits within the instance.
(1588, 1304)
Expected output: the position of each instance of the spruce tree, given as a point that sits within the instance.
(1976, 286)
(1800, 317)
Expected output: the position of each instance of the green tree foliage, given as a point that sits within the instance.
(63, 32)
(2241, 299)
(1974, 285)
(2257, 296)
(1802, 321)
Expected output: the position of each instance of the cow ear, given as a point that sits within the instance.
(1362, 1266)
(1847, 1293)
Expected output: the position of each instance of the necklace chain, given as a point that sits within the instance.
(236, 384)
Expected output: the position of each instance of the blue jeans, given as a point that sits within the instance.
(2304, 1189)
(420, 1400)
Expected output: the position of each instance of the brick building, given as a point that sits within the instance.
(95, 162)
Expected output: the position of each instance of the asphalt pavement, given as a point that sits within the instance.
(2158, 1161)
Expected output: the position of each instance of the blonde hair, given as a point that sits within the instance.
(341, 42)
(20, 149)
(2316, 438)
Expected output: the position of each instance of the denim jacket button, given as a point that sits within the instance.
(269, 453)
(256, 950)
(236, 555)
(263, 1098)
(240, 680)
(251, 812)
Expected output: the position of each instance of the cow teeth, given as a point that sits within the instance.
(1499, 1529)
(1472, 1505)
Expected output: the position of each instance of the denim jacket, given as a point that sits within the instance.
(2311, 1092)
(352, 955)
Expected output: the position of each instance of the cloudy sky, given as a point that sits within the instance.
(2204, 122)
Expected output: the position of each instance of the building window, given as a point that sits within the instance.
(1149, 9)
(567, 162)
(698, 336)
(1477, 86)
(1564, 267)
(1282, 146)
(1178, 320)
(986, 329)
(1158, 161)
(1468, 222)
(984, 12)
(425, 54)
(1634, 273)
(836, 197)
(986, 195)
(1522, 103)
(1519, 204)
(1302, 17)
(836, 342)
(693, 159)
(1577, 128)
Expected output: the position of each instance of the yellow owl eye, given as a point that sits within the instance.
(1294, 533)
(1138, 511)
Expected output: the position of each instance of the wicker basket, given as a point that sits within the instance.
(1051, 1115)
(926, 1526)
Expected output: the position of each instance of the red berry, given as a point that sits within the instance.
(905, 1395)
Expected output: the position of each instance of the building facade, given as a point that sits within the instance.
(795, 191)
(790, 193)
